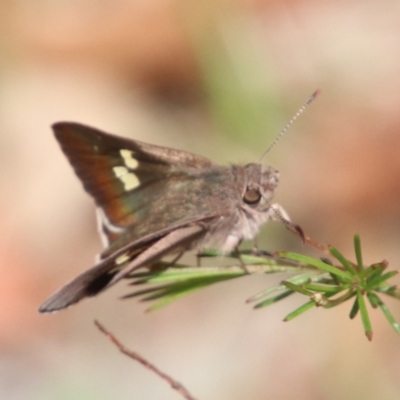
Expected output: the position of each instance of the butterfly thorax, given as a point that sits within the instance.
(254, 189)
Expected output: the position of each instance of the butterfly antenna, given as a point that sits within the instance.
(290, 123)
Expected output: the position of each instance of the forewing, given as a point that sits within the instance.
(128, 179)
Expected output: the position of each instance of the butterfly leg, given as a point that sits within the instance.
(255, 251)
(198, 258)
(255, 246)
(242, 264)
(278, 213)
(176, 258)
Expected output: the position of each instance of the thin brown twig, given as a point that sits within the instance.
(147, 364)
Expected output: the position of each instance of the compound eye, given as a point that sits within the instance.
(252, 196)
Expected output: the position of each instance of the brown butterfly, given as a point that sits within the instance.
(153, 201)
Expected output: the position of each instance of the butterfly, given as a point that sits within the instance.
(153, 201)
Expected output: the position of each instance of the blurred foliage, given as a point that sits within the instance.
(238, 78)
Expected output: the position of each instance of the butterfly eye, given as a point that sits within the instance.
(252, 196)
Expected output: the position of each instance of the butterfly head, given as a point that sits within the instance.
(261, 185)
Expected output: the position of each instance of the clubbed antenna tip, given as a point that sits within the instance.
(313, 96)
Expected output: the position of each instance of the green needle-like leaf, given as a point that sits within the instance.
(372, 283)
(298, 289)
(371, 273)
(265, 293)
(175, 291)
(376, 300)
(274, 299)
(354, 309)
(297, 280)
(341, 299)
(248, 259)
(340, 257)
(357, 248)
(171, 297)
(316, 263)
(391, 291)
(364, 315)
(302, 309)
(315, 287)
(170, 285)
(148, 290)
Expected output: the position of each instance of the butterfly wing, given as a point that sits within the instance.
(108, 272)
(133, 183)
(148, 197)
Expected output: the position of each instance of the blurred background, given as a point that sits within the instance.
(218, 78)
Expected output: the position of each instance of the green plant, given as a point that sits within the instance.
(324, 284)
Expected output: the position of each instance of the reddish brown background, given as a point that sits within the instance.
(219, 79)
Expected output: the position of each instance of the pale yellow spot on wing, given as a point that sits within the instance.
(119, 171)
(129, 160)
(121, 259)
(129, 179)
